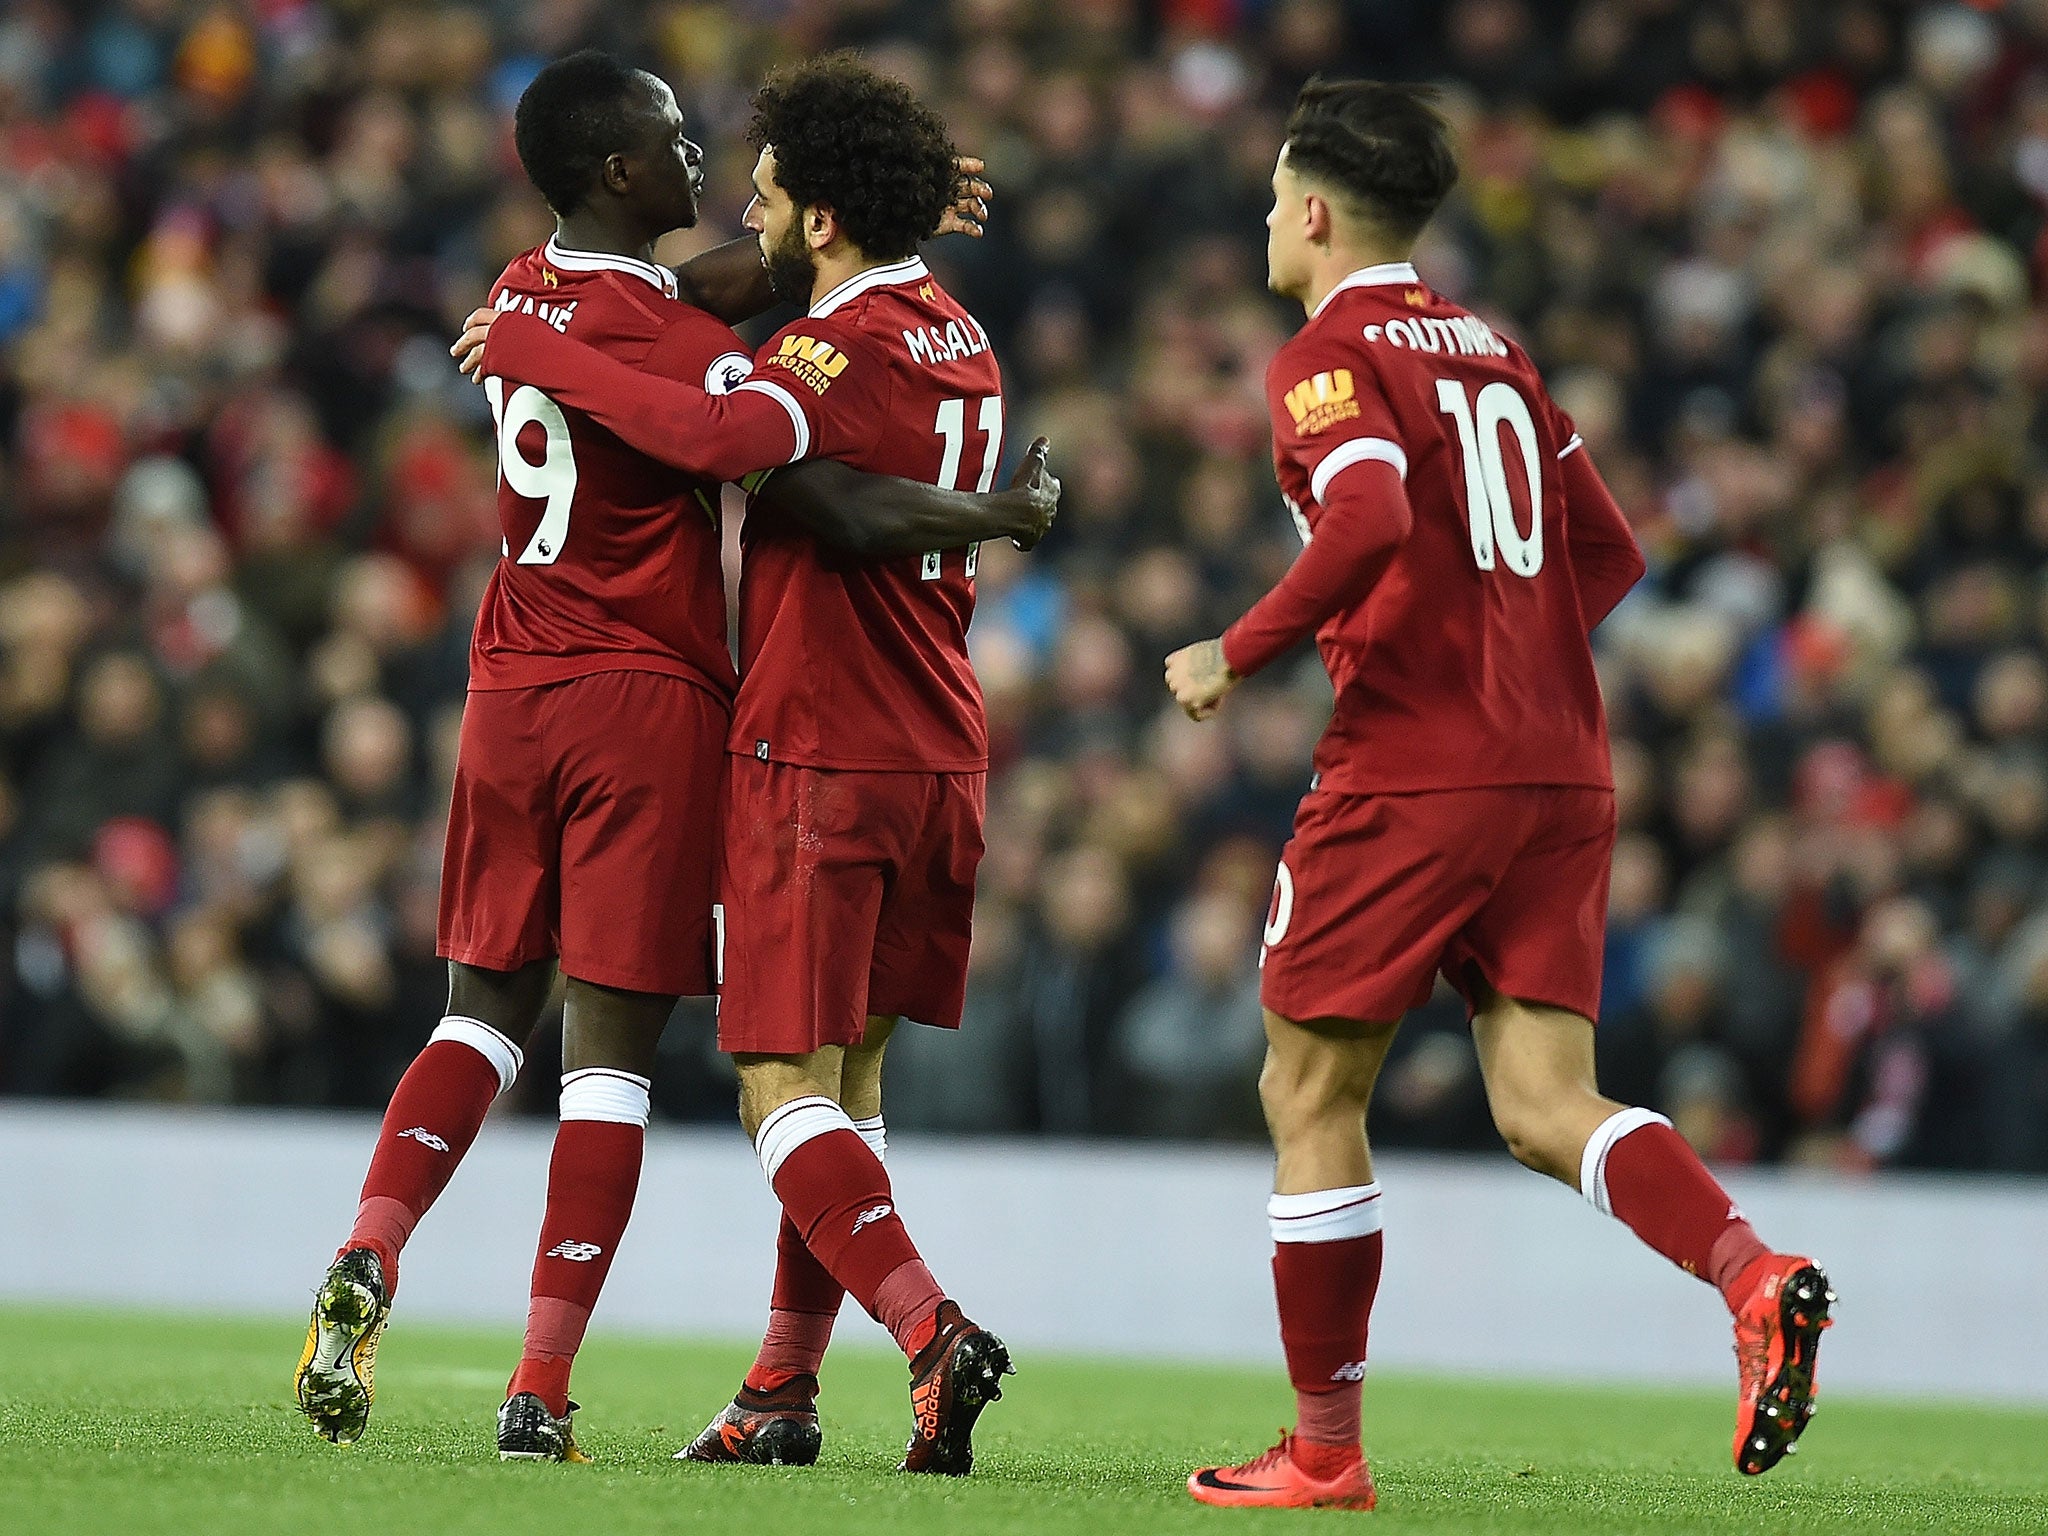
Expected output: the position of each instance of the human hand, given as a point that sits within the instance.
(1199, 677)
(468, 350)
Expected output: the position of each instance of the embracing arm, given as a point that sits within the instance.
(728, 281)
(716, 437)
(870, 516)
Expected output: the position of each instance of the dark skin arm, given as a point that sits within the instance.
(871, 516)
(729, 281)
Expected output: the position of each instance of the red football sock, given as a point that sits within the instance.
(592, 1179)
(433, 1117)
(837, 1196)
(1327, 1248)
(804, 1306)
(907, 1304)
(1640, 1171)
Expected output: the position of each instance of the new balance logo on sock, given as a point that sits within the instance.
(425, 1138)
(1355, 1371)
(872, 1213)
(580, 1253)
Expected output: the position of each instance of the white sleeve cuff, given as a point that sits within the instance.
(797, 419)
(1359, 450)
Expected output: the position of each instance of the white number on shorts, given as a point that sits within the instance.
(552, 481)
(1489, 504)
(1281, 914)
(951, 427)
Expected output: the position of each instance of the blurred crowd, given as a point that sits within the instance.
(1784, 264)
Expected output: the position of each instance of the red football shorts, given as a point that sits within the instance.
(584, 825)
(1378, 893)
(844, 894)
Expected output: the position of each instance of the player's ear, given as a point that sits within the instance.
(1318, 221)
(614, 173)
(821, 226)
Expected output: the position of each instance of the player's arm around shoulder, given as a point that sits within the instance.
(873, 516)
(675, 422)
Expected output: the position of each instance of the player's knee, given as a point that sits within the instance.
(1530, 1133)
(1303, 1091)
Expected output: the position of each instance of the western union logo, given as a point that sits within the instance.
(821, 355)
(1321, 400)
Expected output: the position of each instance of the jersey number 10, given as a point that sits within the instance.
(1489, 504)
(951, 427)
(552, 481)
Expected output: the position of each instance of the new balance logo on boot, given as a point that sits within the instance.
(425, 1138)
(580, 1253)
(872, 1213)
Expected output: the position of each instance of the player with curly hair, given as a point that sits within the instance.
(859, 747)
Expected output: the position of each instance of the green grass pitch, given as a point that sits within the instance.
(129, 1426)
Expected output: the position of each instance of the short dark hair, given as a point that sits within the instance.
(578, 111)
(1384, 146)
(859, 143)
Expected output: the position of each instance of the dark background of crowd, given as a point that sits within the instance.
(1783, 262)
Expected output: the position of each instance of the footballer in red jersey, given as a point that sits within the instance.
(855, 800)
(584, 820)
(1459, 546)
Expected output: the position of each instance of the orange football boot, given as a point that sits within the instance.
(1276, 1481)
(1777, 1340)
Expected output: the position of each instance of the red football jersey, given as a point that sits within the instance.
(847, 664)
(610, 560)
(1466, 663)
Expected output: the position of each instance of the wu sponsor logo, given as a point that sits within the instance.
(1354, 1371)
(872, 1213)
(576, 1253)
(1322, 400)
(815, 362)
(425, 1138)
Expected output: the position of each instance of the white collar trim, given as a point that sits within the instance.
(602, 261)
(911, 270)
(1371, 277)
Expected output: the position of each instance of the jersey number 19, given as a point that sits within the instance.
(552, 481)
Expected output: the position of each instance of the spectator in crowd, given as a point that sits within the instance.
(1785, 265)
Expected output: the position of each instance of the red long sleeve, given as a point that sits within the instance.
(718, 437)
(1606, 560)
(1365, 520)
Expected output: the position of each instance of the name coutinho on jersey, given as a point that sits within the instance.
(1466, 335)
(1322, 400)
(816, 363)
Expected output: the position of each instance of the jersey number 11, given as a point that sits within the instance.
(952, 430)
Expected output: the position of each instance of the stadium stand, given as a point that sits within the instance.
(1784, 265)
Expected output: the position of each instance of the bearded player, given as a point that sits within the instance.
(584, 821)
(1459, 548)
(859, 746)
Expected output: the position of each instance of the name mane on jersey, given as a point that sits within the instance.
(932, 346)
(556, 315)
(1467, 335)
(815, 363)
